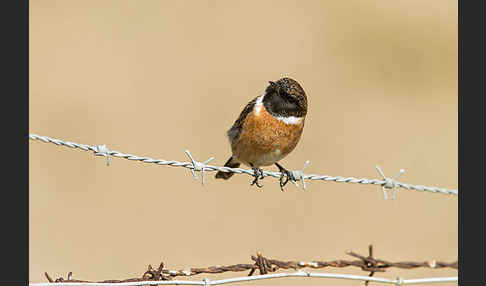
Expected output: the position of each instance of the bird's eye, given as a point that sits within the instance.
(285, 94)
(270, 89)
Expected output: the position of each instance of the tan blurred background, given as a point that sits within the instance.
(155, 77)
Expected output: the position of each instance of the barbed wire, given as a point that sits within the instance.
(265, 265)
(203, 167)
(206, 281)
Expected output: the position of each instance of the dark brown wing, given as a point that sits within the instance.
(235, 130)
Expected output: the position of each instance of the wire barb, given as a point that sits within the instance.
(198, 166)
(48, 277)
(156, 274)
(102, 150)
(299, 175)
(389, 183)
(370, 263)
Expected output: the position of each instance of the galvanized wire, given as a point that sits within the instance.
(196, 166)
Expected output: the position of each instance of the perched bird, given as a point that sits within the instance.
(268, 129)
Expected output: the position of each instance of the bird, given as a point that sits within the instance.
(267, 130)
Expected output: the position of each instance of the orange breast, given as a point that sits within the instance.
(265, 140)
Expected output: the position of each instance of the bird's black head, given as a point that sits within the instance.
(285, 98)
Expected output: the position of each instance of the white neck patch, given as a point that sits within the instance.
(290, 119)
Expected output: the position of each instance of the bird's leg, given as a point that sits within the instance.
(257, 174)
(284, 173)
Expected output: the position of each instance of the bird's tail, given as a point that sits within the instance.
(231, 163)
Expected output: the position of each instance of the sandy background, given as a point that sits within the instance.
(155, 77)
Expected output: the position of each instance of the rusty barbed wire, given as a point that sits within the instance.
(194, 165)
(266, 265)
(302, 274)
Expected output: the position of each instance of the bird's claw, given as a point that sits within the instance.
(257, 174)
(285, 173)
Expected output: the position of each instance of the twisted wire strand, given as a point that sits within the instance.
(266, 265)
(201, 167)
(303, 274)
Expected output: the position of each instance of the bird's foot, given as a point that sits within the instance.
(257, 174)
(284, 173)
